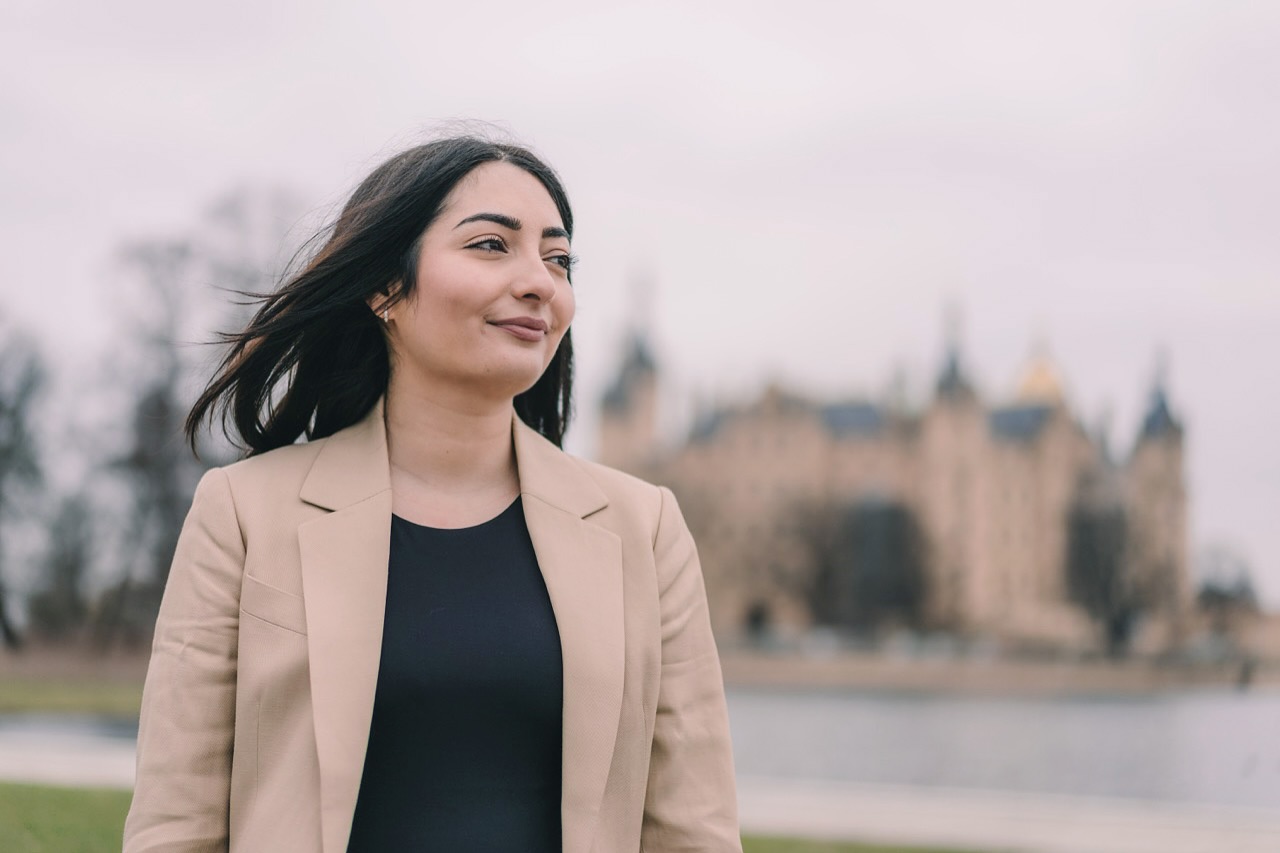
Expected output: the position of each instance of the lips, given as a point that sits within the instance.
(524, 328)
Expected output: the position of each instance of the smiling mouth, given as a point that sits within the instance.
(523, 328)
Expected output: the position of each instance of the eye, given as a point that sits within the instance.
(488, 244)
(566, 262)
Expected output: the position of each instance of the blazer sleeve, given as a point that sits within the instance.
(181, 795)
(691, 799)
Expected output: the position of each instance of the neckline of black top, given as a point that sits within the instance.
(513, 506)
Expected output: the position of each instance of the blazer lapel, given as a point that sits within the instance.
(344, 582)
(344, 586)
(581, 565)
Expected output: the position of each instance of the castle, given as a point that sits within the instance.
(1008, 523)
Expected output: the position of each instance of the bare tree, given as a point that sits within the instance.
(1226, 591)
(1098, 574)
(184, 289)
(22, 375)
(155, 463)
(244, 247)
(59, 610)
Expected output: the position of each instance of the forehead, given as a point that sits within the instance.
(501, 187)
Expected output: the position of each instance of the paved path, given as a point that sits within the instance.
(977, 820)
(32, 754)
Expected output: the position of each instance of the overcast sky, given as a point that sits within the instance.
(806, 185)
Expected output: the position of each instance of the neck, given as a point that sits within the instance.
(452, 443)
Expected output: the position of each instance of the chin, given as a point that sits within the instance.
(511, 382)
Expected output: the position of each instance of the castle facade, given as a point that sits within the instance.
(1009, 522)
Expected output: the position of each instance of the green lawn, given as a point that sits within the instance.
(68, 696)
(790, 845)
(36, 819)
(61, 820)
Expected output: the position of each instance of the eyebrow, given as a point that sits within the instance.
(511, 223)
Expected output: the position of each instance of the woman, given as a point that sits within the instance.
(427, 627)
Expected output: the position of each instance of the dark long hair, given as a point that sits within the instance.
(316, 333)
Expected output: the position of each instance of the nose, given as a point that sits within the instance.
(535, 282)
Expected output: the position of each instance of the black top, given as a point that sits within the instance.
(464, 746)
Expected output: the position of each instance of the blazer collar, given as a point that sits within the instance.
(344, 557)
(353, 466)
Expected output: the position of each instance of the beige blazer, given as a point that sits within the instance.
(259, 694)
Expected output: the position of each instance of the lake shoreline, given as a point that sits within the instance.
(864, 672)
(995, 676)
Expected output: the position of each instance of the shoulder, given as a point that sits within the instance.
(648, 516)
(637, 500)
(288, 463)
(614, 482)
(265, 482)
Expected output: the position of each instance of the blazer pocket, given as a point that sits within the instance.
(280, 608)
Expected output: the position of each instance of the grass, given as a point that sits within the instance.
(21, 695)
(39, 819)
(756, 844)
(36, 819)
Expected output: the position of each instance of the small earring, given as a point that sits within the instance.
(385, 311)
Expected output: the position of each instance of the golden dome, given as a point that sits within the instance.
(1041, 383)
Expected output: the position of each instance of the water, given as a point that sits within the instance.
(66, 729)
(1212, 747)
(1209, 747)
(68, 750)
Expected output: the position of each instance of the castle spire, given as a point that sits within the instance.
(952, 382)
(638, 364)
(1159, 420)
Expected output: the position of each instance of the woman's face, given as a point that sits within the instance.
(493, 297)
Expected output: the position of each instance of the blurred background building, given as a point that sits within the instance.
(798, 178)
(1004, 521)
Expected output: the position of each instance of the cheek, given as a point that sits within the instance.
(436, 328)
(446, 308)
(562, 310)
(447, 292)
(564, 307)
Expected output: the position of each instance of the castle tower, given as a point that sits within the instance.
(1044, 472)
(629, 411)
(953, 443)
(1157, 511)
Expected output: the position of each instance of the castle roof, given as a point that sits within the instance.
(860, 418)
(705, 427)
(850, 418)
(637, 364)
(1159, 420)
(1021, 422)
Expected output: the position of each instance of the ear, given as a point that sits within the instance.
(384, 300)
